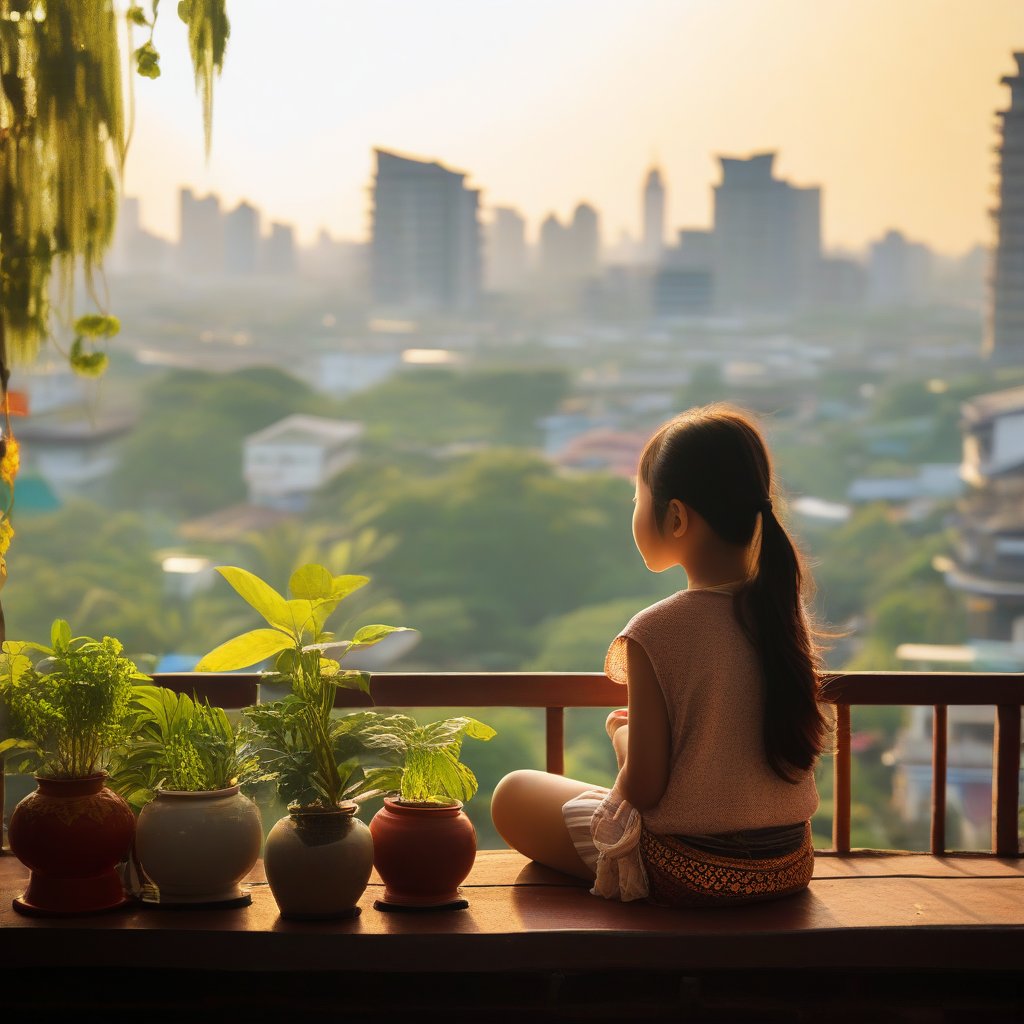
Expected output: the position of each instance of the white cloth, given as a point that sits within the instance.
(616, 828)
(605, 830)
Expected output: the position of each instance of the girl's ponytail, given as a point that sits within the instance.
(771, 609)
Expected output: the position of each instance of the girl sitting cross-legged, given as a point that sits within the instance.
(717, 748)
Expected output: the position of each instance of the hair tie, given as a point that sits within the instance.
(766, 505)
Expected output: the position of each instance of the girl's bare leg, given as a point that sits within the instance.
(527, 811)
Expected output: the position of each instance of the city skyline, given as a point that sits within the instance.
(890, 110)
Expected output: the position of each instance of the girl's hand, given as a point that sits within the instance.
(615, 721)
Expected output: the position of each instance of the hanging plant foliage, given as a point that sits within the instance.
(62, 150)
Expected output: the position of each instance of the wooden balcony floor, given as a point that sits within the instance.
(871, 915)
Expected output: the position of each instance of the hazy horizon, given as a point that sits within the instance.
(890, 108)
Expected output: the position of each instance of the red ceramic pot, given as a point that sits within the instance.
(71, 834)
(422, 852)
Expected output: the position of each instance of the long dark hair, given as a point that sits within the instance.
(715, 460)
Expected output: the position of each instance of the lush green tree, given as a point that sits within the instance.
(185, 456)
(496, 545)
(438, 406)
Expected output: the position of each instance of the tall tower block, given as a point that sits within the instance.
(1004, 341)
(654, 217)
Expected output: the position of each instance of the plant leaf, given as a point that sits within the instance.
(97, 325)
(370, 635)
(245, 650)
(60, 633)
(301, 618)
(259, 595)
(478, 731)
(342, 586)
(311, 582)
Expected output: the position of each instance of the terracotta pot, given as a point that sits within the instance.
(197, 847)
(422, 852)
(71, 834)
(318, 862)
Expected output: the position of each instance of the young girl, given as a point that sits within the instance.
(716, 750)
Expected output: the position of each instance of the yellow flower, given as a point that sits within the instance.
(9, 464)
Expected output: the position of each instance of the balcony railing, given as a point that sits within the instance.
(556, 691)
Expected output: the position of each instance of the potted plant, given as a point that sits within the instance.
(197, 835)
(424, 844)
(318, 859)
(68, 706)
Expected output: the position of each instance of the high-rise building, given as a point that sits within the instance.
(584, 241)
(1004, 339)
(425, 249)
(241, 239)
(506, 263)
(653, 237)
(279, 250)
(767, 238)
(899, 272)
(201, 245)
(554, 249)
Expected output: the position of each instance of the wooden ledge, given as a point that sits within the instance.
(879, 912)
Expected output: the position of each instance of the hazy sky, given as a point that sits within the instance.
(887, 104)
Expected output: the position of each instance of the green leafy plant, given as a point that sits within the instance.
(313, 756)
(176, 743)
(430, 770)
(69, 708)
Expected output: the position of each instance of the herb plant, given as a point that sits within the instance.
(312, 755)
(68, 709)
(431, 770)
(176, 743)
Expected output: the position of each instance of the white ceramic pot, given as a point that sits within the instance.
(197, 847)
(318, 862)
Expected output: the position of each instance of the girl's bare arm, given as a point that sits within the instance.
(644, 776)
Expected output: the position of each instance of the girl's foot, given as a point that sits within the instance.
(615, 721)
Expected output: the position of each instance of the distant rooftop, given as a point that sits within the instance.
(307, 429)
(752, 170)
(395, 163)
(993, 405)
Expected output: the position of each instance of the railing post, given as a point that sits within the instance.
(554, 735)
(1006, 781)
(841, 782)
(939, 736)
(3, 803)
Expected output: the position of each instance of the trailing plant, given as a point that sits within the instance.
(68, 709)
(63, 142)
(177, 743)
(430, 770)
(312, 755)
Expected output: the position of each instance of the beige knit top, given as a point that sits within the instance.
(719, 779)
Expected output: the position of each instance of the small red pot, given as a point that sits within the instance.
(71, 834)
(422, 852)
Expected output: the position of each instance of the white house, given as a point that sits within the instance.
(289, 460)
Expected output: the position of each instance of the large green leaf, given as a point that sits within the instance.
(245, 650)
(261, 596)
(311, 582)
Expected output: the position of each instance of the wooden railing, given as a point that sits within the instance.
(556, 691)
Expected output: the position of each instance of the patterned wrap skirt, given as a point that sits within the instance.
(718, 871)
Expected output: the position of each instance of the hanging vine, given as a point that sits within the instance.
(62, 153)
